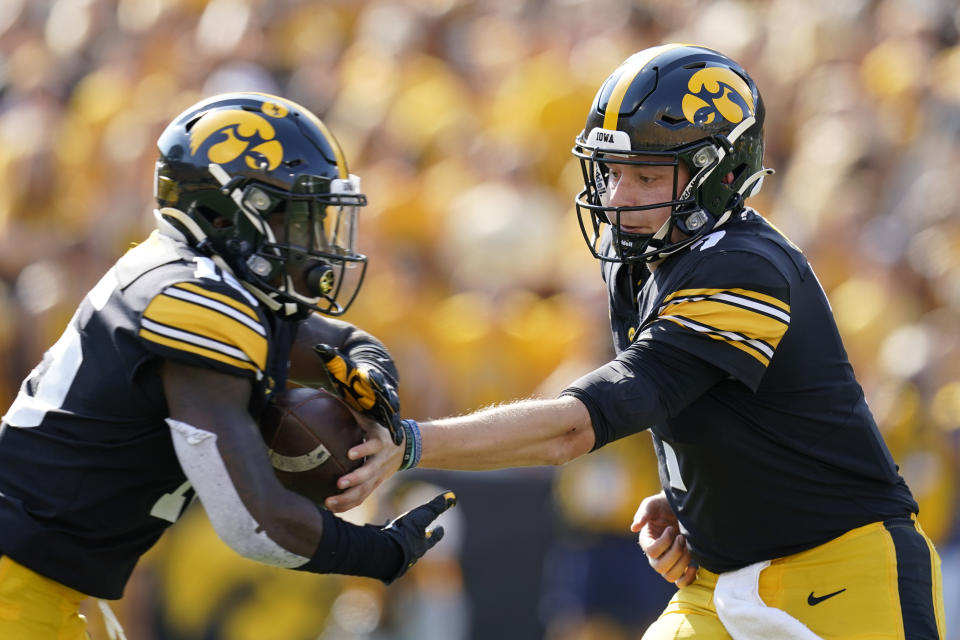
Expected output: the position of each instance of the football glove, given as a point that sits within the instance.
(411, 533)
(365, 389)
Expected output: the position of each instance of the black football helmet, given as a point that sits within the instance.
(663, 106)
(260, 182)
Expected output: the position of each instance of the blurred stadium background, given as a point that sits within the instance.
(459, 116)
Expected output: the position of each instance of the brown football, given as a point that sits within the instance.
(308, 433)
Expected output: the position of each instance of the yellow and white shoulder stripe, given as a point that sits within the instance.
(747, 320)
(206, 323)
(218, 302)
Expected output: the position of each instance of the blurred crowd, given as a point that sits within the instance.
(459, 116)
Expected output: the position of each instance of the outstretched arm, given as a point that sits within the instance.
(520, 434)
(644, 385)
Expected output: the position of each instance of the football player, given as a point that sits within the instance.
(152, 392)
(776, 482)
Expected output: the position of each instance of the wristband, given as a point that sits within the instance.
(413, 444)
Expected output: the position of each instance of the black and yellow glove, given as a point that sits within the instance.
(384, 553)
(364, 388)
(411, 533)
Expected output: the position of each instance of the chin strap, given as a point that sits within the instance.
(284, 309)
(280, 308)
(663, 231)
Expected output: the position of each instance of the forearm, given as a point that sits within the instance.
(525, 433)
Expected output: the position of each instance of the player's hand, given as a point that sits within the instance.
(382, 461)
(660, 539)
(411, 533)
(365, 389)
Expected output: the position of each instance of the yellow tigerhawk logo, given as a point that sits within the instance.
(717, 90)
(248, 134)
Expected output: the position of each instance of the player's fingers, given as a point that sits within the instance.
(654, 547)
(674, 573)
(339, 503)
(663, 558)
(673, 564)
(438, 505)
(365, 449)
(375, 467)
(688, 577)
(358, 488)
(434, 536)
(650, 508)
(426, 513)
(667, 561)
(352, 497)
(419, 517)
(639, 521)
(357, 477)
(640, 517)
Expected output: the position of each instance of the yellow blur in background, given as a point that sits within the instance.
(459, 116)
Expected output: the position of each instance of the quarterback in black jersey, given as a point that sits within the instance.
(782, 513)
(151, 394)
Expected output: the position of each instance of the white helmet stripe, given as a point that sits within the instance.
(739, 130)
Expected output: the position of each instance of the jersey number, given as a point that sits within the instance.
(170, 506)
(54, 375)
(673, 467)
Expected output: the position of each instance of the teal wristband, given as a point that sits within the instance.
(412, 445)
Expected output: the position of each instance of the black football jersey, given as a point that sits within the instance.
(782, 454)
(88, 475)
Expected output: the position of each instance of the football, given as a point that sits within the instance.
(308, 433)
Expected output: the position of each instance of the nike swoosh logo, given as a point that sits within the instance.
(812, 599)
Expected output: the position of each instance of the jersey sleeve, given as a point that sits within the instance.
(209, 325)
(731, 311)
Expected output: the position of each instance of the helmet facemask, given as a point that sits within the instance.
(302, 247)
(593, 203)
(704, 203)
